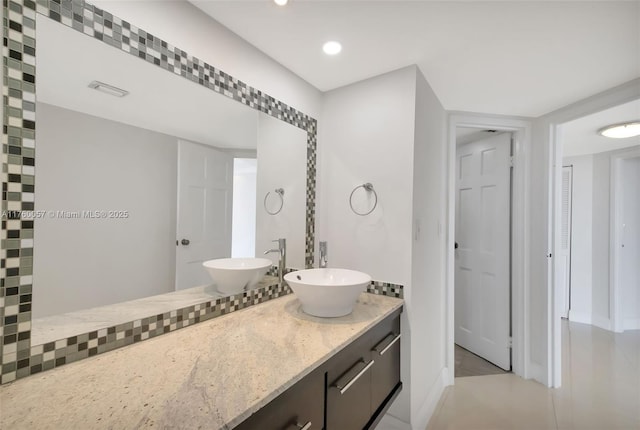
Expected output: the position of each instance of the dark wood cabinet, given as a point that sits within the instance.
(349, 386)
(385, 373)
(300, 407)
(364, 378)
(350, 391)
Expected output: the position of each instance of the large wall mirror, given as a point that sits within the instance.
(142, 174)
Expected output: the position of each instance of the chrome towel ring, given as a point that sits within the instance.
(280, 193)
(367, 187)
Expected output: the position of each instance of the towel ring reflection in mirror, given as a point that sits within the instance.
(367, 187)
(280, 193)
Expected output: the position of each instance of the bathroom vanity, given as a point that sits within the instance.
(352, 389)
(267, 366)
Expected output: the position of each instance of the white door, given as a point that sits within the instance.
(564, 257)
(205, 203)
(629, 282)
(482, 284)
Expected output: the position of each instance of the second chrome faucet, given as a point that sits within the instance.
(323, 254)
(282, 262)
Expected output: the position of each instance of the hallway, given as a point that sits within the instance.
(601, 390)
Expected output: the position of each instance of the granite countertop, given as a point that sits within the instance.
(55, 327)
(211, 375)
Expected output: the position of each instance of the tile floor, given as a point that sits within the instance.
(469, 364)
(600, 390)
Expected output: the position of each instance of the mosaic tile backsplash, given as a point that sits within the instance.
(18, 357)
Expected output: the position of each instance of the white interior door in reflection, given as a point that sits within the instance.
(482, 320)
(205, 202)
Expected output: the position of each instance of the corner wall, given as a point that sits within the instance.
(390, 130)
(428, 287)
(367, 135)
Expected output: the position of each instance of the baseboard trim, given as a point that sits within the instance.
(601, 322)
(537, 374)
(580, 317)
(631, 324)
(428, 408)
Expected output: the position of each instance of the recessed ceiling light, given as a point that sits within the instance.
(332, 48)
(108, 89)
(621, 131)
(281, 2)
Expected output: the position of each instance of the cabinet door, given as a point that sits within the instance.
(385, 373)
(349, 387)
(300, 407)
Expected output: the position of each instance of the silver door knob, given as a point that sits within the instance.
(185, 242)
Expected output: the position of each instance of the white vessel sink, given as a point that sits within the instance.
(327, 292)
(234, 275)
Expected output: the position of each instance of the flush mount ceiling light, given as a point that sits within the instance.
(621, 131)
(332, 47)
(108, 89)
(281, 2)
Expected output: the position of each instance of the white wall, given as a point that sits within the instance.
(601, 239)
(630, 255)
(243, 225)
(367, 135)
(582, 238)
(88, 163)
(427, 294)
(590, 250)
(186, 27)
(282, 154)
(385, 130)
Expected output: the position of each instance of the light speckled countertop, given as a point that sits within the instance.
(211, 375)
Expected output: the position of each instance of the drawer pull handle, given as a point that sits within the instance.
(389, 345)
(343, 389)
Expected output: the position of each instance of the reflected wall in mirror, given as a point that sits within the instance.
(136, 192)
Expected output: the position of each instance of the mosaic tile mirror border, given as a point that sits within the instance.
(19, 358)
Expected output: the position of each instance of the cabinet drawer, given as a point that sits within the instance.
(385, 373)
(349, 387)
(300, 407)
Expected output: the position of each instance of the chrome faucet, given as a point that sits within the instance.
(323, 254)
(282, 263)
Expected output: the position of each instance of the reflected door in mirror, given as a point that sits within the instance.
(205, 201)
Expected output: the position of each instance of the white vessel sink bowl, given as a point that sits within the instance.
(234, 275)
(327, 292)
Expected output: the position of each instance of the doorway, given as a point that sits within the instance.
(625, 240)
(604, 277)
(520, 130)
(483, 250)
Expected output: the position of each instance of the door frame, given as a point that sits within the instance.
(567, 291)
(615, 290)
(521, 132)
(550, 127)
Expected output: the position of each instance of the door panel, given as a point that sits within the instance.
(482, 278)
(205, 193)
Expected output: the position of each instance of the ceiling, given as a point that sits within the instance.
(523, 58)
(580, 137)
(180, 108)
